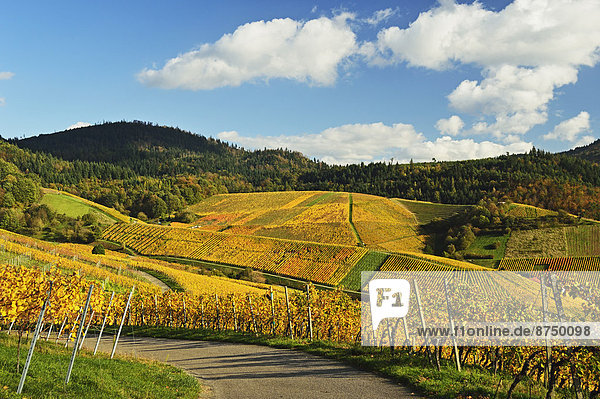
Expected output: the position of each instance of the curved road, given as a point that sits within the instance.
(250, 371)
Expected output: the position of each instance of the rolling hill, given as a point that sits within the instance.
(316, 216)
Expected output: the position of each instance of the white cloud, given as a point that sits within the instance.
(308, 51)
(357, 143)
(526, 32)
(451, 126)
(78, 125)
(380, 16)
(571, 129)
(2, 101)
(525, 51)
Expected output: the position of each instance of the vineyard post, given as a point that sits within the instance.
(86, 329)
(252, 314)
(407, 341)
(104, 322)
(272, 311)
(122, 321)
(310, 327)
(143, 314)
(184, 314)
(557, 298)
(11, 326)
(62, 326)
(156, 310)
(420, 307)
(50, 330)
(389, 332)
(218, 319)
(71, 332)
(548, 367)
(289, 315)
(561, 316)
(170, 313)
(36, 334)
(235, 320)
(451, 322)
(202, 314)
(76, 346)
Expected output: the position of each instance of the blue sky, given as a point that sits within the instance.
(339, 81)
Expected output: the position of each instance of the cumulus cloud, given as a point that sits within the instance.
(451, 126)
(308, 51)
(355, 143)
(78, 125)
(525, 51)
(571, 129)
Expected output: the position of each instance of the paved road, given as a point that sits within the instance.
(250, 371)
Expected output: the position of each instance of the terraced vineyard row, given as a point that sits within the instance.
(587, 265)
(322, 263)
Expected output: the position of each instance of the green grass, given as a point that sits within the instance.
(372, 260)
(92, 377)
(425, 212)
(409, 369)
(485, 245)
(73, 208)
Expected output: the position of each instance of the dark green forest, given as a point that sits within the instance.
(141, 167)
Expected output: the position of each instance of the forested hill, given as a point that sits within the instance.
(590, 152)
(152, 150)
(126, 164)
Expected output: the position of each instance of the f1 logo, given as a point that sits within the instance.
(389, 298)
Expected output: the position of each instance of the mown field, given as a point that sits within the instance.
(74, 206)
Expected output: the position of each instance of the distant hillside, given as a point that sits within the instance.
(156, 165)
(590, 152)
(152, 150)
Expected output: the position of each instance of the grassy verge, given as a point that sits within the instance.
(92, 377)
(401, 366)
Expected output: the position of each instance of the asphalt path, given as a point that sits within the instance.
(250, 371)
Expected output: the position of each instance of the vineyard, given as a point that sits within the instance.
(312, 216)
(583, 240)
(321, 263)
(589, 264)
(333, 316)
(385, 224)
